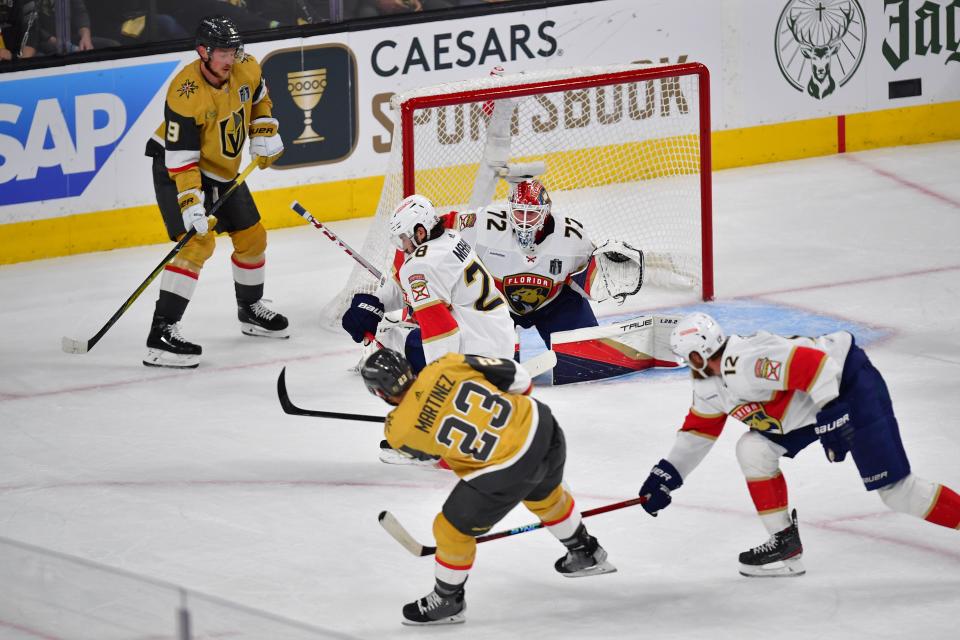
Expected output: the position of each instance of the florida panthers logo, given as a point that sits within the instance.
(526, 291)
(755, 416)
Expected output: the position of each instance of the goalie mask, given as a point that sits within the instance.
(697, 333)
(414, 210)
(529, 208)
(387, 374)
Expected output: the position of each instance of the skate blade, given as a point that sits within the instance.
(457, 618)
(790, 568)
(391, 456)
(595, 570)
(259, 332)
(159, 358)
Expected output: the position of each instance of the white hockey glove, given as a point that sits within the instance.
(193, 212)
(265, 142)
(621, 270)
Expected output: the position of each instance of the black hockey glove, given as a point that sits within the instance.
(363, 316)
(663, 479)
(835, 429)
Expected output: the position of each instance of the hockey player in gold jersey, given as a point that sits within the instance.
(474, 413)
(213, 106)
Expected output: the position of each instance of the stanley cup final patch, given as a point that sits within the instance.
(418, 287)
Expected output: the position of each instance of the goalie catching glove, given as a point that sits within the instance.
(620, 269)
(265, 142)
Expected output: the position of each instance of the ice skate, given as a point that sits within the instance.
(389, 455)
(257, 320)
(434, 608)
(167, 348)
(779, 556)
(584, 558)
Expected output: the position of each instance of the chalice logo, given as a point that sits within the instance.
(306, 89)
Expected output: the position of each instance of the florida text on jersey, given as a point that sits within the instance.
(529, 280)
(769, 382)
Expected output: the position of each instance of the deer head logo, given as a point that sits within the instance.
(821, 32)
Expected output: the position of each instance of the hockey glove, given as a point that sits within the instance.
(363, 316)
(663, 479)
(835, 430)
(193, 212)
(265, 142)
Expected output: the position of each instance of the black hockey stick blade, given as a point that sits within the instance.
(294, 410)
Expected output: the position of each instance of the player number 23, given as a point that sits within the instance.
(475, 440)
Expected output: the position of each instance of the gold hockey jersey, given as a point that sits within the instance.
(469, 410)
(205, 128)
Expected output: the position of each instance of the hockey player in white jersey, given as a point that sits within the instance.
(547, 266)
(790, 391)
(455, 302)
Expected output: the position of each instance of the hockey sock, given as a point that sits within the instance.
(248, 279)
(770, 499)
(945, 510)
(447, 589)
(176, 288)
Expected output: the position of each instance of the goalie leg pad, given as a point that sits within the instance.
(596, 353)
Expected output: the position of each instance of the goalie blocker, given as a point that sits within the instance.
(596, 353)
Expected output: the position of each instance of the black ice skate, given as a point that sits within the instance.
(779, 556)
(167, 348)
(257, 320)
(434, 608)
(585, 556)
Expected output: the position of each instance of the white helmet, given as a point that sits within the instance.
(697, 333)
(414, 210)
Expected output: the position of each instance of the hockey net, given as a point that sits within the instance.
(625, 150)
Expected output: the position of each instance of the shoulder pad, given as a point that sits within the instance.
(183, 94)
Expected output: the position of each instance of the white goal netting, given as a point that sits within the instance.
(621, 149)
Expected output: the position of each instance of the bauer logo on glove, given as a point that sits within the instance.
(265, 142)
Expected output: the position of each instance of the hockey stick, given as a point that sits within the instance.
(392, 526)
(535, 366)
(296, 206)
(294, 410)
(69, 345)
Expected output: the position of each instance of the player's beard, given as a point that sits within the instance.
(221, 77)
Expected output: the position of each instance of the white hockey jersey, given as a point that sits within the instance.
(769, 382)
(454, 300)
(529, 280)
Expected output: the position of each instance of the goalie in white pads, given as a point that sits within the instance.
(547, 266)
(505, 447)
(790, 391)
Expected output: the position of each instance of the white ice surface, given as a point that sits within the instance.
(198, 478)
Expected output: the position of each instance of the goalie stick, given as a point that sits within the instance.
(70, 345)
(397, 531)
(535, 366)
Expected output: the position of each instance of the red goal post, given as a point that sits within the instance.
(625, 150)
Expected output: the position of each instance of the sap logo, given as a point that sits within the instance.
(57, 132)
